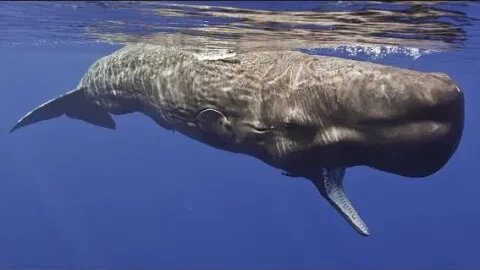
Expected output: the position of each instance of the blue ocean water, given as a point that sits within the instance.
(77, 196)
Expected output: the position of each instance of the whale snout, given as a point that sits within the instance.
(450, 110)
(430, 134)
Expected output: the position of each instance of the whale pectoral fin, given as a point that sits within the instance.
(74, 104)
(331, 187)
(215, 122)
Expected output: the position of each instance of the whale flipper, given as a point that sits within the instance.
(331, 187)
(73, 104)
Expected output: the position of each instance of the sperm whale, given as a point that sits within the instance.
(309, 116)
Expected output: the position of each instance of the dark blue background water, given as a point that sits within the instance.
(77, 196)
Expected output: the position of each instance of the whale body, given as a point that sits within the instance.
(310, 116)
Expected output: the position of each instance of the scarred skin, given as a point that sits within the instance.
(311, 116)
(288, 107)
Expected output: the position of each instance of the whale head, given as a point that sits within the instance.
(402, 122)
(398, 121)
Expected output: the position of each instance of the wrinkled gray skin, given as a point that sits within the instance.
(310, 116)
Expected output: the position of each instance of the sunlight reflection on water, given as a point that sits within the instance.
(409, 28)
